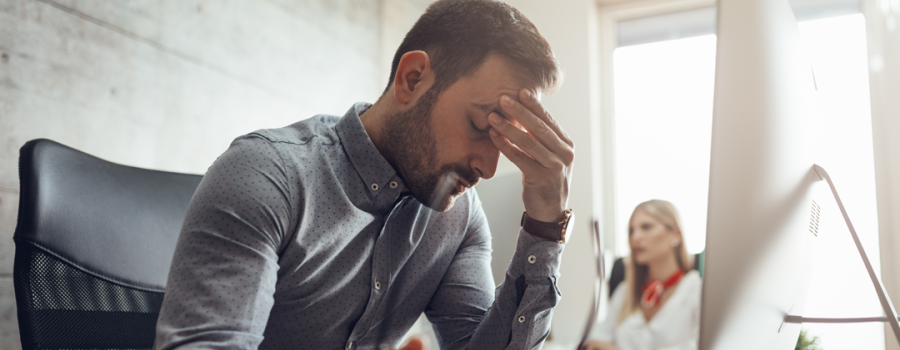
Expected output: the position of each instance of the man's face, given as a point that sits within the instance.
(441, 145)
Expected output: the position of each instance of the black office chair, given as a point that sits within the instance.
(618, 271)
(94, 242)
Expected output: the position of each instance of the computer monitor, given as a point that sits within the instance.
(761, 216)
(764, 203)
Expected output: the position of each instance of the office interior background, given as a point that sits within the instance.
(168, 84)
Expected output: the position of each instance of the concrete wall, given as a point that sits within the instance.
(168, 84)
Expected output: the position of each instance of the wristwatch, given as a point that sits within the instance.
(551, 231)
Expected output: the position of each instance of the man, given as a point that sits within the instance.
(339, 232)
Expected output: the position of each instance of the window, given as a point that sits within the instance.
(663, 120)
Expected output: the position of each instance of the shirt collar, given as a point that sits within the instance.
(380, 178)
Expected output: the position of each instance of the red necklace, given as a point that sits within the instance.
(653, 291)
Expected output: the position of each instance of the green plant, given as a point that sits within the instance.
(807, 341)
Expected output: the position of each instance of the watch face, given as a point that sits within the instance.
(564, 235)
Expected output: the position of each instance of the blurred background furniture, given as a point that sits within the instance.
(618, 271)
(94, 242)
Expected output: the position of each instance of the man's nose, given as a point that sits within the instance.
(484, 162)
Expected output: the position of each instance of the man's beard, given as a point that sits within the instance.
(410, 146)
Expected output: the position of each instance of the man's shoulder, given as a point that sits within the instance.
(469, 207)
(319, 128)
(473, 202)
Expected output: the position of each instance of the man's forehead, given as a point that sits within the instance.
(498, 72)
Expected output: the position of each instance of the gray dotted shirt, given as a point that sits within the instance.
(299, 238)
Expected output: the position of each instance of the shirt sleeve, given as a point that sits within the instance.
(467, 312)
(222, 279)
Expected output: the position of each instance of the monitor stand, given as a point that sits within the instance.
(890, 315)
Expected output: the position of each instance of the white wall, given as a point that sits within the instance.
(168, 84)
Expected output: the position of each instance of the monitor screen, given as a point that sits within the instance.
(761, 216)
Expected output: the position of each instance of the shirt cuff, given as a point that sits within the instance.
(535, 260)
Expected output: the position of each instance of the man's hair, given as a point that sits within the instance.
(458, 35)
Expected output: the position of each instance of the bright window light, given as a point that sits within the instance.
(663, 120)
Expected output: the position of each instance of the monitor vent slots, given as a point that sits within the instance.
(814, 218)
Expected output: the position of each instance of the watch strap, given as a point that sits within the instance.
(551, 231)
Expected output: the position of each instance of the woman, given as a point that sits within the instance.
(658, 306)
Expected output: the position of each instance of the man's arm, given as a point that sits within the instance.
(468, 312)
(223, 273)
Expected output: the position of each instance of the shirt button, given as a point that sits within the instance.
(532, 259)
(377, 285)
(374, 187)
(394, 184)
(521, 319)
(349, 345)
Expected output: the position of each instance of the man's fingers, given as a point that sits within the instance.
(538, 123)
(523, 141)
(515, 155)
(530, 101)
(532, 123)
(564, 147)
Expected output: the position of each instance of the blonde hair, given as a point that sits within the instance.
(636, 275)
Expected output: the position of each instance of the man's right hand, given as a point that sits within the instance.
(541, 149)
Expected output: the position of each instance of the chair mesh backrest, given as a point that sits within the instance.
(65, 308)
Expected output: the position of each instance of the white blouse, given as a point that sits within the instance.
(676, 326)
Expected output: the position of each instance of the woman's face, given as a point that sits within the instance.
(650, 240)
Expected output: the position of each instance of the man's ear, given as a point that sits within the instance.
(413, 69)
